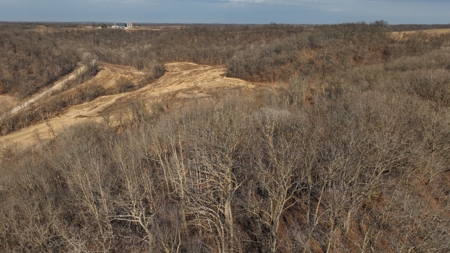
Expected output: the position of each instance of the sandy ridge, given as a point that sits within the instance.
(181, 81)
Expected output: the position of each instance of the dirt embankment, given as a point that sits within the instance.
(181, 81)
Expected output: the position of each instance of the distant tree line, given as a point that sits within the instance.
(32, 59)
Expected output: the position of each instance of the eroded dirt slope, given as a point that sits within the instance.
(181, 81)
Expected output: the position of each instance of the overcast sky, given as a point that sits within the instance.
(228, 11)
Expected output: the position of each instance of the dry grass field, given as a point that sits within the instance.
(432, 32)
(181, 81)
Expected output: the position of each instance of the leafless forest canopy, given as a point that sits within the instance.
(350, 153)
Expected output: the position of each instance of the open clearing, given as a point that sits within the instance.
(435, 32)
(181, 81)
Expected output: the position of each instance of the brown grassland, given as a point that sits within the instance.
(225, 138)
(430, 32)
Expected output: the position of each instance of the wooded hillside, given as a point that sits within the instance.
(350, 153)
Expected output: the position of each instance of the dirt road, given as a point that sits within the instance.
(58, 85)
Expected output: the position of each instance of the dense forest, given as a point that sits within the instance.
(31, 59)
(350, 153)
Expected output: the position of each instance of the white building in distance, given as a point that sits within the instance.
(127, 25)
